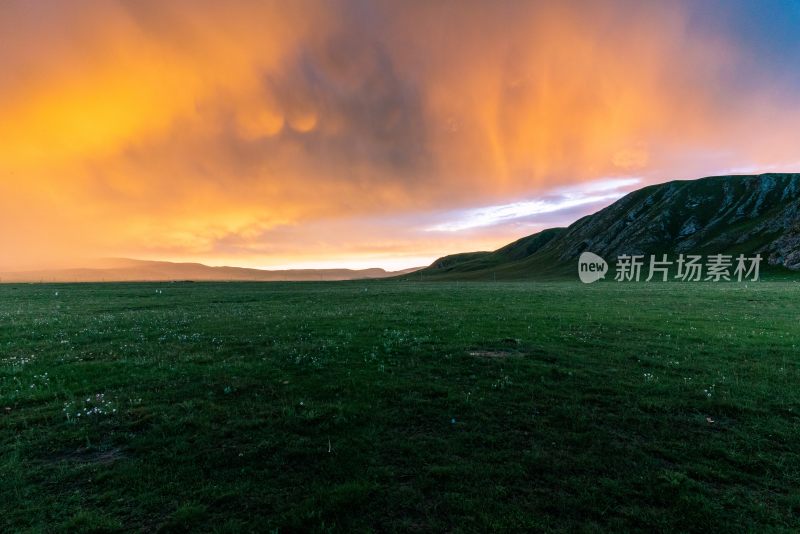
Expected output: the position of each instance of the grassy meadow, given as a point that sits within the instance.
(400, 406)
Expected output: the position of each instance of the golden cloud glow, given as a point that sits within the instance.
(239, 132)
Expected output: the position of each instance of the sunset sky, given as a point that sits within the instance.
(368, 133)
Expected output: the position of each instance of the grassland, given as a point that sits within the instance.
(397, 406)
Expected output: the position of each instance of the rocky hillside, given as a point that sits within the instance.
(721, 214)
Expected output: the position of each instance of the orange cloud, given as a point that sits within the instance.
(175, 130)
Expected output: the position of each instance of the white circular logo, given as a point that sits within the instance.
(591, 267)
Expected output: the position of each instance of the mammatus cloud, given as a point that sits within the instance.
(275, 133)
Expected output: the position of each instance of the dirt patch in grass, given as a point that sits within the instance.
(495, 354)
(89, 456)
(501, 349)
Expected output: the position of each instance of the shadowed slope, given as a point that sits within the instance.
(722, 214)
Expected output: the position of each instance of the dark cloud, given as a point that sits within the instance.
(364, 112)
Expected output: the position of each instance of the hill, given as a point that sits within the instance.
(128, 270)
(720, 214)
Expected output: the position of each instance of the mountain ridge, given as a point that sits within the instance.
(719, 214)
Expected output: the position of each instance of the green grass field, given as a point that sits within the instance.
(397, 406)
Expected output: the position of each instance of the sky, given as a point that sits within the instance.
(369, 133)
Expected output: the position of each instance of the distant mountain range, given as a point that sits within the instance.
(127, 270)
(716, 215)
